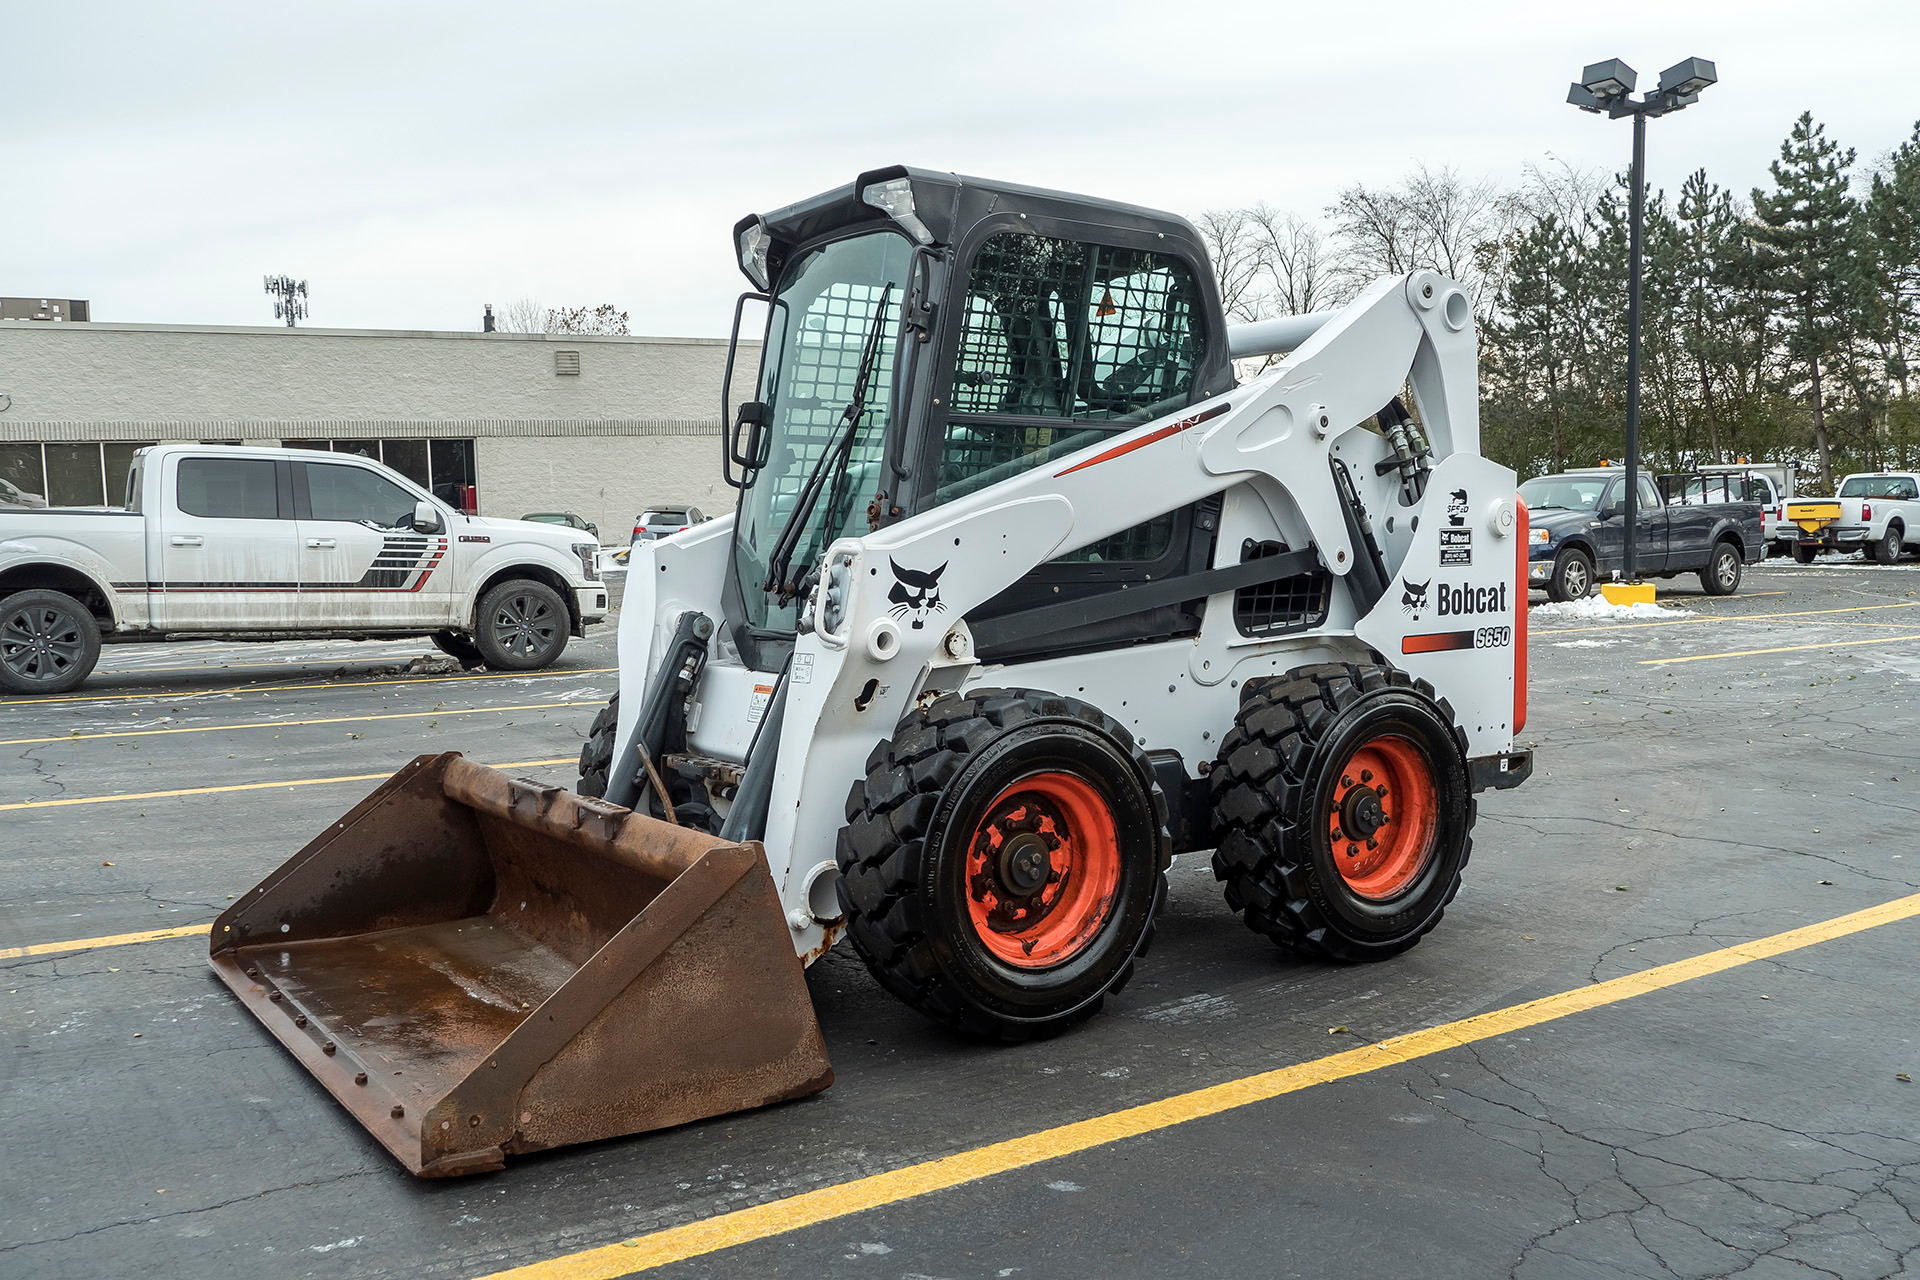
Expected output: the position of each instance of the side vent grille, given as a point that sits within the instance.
(1298, 603)
(566, 364)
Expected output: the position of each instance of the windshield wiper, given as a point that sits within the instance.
(780, 558)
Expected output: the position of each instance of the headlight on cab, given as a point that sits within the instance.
(589, 553)
(1541, 536)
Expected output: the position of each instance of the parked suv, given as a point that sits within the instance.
(273, 544)
(662, 522)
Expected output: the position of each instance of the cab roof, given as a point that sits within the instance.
(950, 205)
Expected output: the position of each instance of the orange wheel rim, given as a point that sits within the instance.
(1382, 819)
(1042, 870)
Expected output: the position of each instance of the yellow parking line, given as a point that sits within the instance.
(300, 688)
(111, 940)
(778, 1217)
(243, 786)
(1787, 648)
(1727, 617)
(282, 724)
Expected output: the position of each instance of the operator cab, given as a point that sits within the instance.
(927, 335)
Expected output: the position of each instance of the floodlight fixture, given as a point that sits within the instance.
(1609, 80)
(1582, 97)
(1687, 79)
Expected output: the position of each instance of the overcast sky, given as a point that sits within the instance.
(413, 161)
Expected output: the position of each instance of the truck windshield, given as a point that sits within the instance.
(823, 311)
(1567, 493)
(1895, 487)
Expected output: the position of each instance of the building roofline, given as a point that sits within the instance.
(267, 331)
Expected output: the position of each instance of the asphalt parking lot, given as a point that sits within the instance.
(1712, 1081)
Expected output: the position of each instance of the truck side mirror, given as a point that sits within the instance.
(1610, 511)
(593, 528)
(426, 518)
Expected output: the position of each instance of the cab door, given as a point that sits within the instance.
(362, 564)
(1650, 540)
(229, 546)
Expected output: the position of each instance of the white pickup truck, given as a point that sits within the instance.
(282, 544)
(1875, 512)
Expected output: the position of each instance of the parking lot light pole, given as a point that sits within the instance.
(1607, 87)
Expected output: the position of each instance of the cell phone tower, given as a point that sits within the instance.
(289, 298)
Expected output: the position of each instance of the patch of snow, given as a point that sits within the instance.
(875, 1248)
(348, 1243)
(1064, 1185)
(1597, 607)
(1585, 644)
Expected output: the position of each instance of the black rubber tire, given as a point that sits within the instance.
(49, 642)
(1887, 550)
(504, 609)
(596, 753)
(1721, 577)
(1572, 576)
(902, 858)
(1278, 766)
(457, 644)
(1802, 553)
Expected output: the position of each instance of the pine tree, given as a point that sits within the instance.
(1891, 233)
(1708, 229)
(1530, 341)
(1808, 256)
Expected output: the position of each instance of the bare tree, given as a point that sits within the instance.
(603, 319)
(1432, 219)
(1239, 263)
(523, 315)
(1296, 261)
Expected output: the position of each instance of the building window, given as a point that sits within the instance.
(443, 468)
(65, 475)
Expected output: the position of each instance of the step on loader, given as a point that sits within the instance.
(1026, 592)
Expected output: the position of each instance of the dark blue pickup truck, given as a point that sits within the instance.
(1577, 521)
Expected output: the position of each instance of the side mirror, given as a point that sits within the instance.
(426, 518)
(593, 528)
(1608, 513)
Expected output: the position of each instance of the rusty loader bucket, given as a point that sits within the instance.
(476, 965)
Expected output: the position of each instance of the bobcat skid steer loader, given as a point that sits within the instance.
(1025, 593)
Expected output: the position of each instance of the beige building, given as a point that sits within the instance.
(505, 423)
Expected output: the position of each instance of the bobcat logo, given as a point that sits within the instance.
(1457, 508)
(1413, 597)
(914, 592)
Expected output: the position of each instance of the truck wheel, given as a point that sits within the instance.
(1721, 577)
(1342, 810)
(521, 625)
(1572, 577)
(1802, 553)
(48, 642)
(1003, 860)
(596, 753)
(457, 645)
(1887, 550)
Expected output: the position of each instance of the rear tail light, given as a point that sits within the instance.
(683, 528)
(1866, 511)
(1781, 514)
